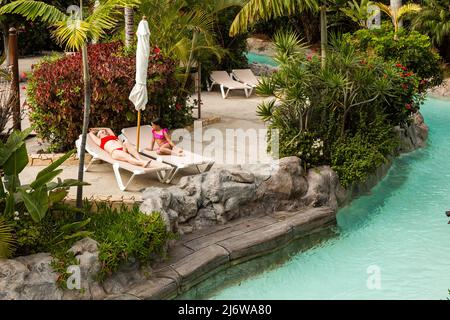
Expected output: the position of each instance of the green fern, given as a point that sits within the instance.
(7, 242)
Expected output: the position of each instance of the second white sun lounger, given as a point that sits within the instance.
(223, 79)
(163, 171)
(246, 76)
(189, 159)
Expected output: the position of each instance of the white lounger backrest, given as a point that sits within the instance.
(246, 76)
(223, 78)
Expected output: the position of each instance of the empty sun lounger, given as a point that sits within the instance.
(163, 171)
(223, 79)
(245, 76)
(189, 159)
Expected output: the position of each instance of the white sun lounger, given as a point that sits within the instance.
(223, 79)
(189, 159)
(163, 171)
(245, 76)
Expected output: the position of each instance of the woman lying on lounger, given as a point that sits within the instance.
(108, 141)
(162, 139)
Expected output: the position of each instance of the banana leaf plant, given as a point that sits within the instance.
(40, 195)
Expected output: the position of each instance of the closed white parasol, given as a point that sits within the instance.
(139, 95)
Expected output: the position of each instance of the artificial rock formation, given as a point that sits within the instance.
(221, 195)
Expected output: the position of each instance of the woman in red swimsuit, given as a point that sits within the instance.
(162, 139)
(108, 141)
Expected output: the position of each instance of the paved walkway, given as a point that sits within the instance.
(202, 254)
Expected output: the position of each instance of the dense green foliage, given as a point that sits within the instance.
(411, 49)
(54, 94)
(342, 114)
(30, 209)
(236, 47)
(127, 233)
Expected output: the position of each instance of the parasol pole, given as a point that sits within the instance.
(138, 130)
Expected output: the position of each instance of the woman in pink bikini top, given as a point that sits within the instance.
(161, 137)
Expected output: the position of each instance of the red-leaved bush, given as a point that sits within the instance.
(55, 94)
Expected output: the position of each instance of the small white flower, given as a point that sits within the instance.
(16, 213)
(26, 214)
(16, 218)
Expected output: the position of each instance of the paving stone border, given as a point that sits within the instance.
(116, 202)
(199, 256)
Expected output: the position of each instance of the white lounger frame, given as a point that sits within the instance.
(207, 165)
(164, 176)
(248, 91)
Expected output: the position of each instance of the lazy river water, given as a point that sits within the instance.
(399, 232)
(260, 58)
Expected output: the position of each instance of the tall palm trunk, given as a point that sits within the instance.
(310, 26)
(86, 112)
(395, 5)
(129, 26)
(323, 33)
(5, 29)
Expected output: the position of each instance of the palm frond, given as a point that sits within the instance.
(255, 10)
(72, 33)
(266, 109)
(7, 242)
(103, 17)
(33, 10)
(386, 9)
(220, 5)
(408, 9)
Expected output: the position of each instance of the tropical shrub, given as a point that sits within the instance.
(342, 114)
(355, 157)
(410, 48)
(55, 94)
(29, 210)
(126, 233)
(236, 47)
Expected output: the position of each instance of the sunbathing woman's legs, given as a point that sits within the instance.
(121, 155)
(128, 147)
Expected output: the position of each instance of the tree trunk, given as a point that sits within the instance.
(310, 26)
(96, 4)
(395, 5)
(323, 33)
(87, 107)
(5, 30)
(129, 26)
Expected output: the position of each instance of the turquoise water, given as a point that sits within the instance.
(259, 58)
(400, 229)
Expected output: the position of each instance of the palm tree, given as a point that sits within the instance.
(74, 31)
(129, 25)
(185, 30)
(359, 12)
(255, 10)
(396, 13)
(434, 19)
